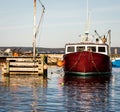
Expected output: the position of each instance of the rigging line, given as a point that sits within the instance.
(93, 62)
(42, 4)
(38, 28)
(76, 62)
(107, 34)
(40, 31)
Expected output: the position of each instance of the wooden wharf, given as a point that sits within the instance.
(12, 66)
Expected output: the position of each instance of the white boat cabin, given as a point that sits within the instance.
(98, 48)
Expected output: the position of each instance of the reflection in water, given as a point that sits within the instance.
(86, 93)
(61, 93)
(22, 94)
(25, 80)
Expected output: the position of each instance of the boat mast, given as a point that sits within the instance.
(87, 16)
(87, 22)
(34, 33)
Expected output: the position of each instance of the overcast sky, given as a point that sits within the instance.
(63, 22)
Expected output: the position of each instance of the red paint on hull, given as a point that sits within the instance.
(87, 62)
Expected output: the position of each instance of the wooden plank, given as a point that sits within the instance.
(23, 63)
(20, 59)
(23, 69)
(24, 73)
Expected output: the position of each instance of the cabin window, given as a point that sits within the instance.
(101, 49)
(71, 49)
(80, 48)
(91, 48)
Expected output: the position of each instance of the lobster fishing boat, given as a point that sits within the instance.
(89, 57)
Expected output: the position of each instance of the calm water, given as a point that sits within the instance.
(58, 94)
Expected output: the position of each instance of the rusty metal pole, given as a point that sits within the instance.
(34, 36)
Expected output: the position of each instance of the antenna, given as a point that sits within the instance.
(87, 11)
(87, 20)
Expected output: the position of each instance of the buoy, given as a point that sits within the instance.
(60, 63)
(15, 54)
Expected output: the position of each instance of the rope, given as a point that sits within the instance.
(40, 31)
(93, 62)
(41, 4)
(41, 17)
(76, 62)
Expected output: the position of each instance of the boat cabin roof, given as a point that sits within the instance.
(92, 47)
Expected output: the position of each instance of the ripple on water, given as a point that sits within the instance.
(67, 94)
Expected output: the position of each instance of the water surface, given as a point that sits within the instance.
(62, 94)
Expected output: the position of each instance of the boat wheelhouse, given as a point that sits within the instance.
(79, 47)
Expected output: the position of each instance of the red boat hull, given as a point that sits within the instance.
(82, 63)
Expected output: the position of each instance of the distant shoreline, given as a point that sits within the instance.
(47, 50)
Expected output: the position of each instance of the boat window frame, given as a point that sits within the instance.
(101, 49)
(80, 49)
(92, 48)
(86, 46)
(69, 51)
